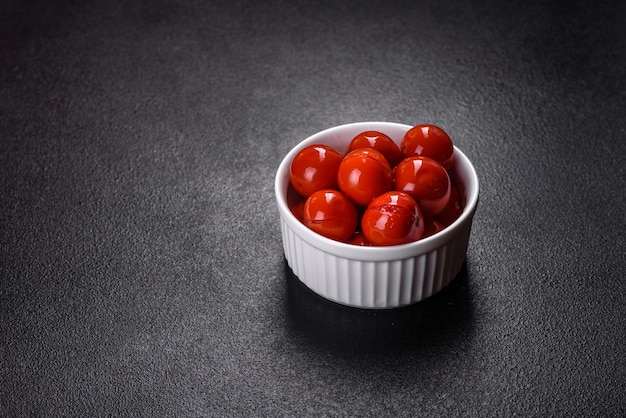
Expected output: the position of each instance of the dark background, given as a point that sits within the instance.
(142, 271)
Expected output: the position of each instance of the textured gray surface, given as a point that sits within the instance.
(141, 264)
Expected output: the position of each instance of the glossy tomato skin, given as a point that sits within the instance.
(298, 210)
(453, 209)
(359, 239)
(426, 181)
(315, 168)
(380, 142)
(364, 174)
(331, 214)
(393, 218)
(432, 226)
(428, 140)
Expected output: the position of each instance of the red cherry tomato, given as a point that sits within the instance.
(380, 142)
(364, 174)
(453, 209)
(298, 210)
(432, 226)
(315, 168)
(392, 218)
(330, 213)
(359, 239)
(426, 181)
(430, 141)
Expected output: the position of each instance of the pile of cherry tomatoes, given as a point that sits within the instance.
(378, 193)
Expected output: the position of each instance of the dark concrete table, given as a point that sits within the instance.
(141, 267)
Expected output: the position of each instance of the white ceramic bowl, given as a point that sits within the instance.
(374, 277)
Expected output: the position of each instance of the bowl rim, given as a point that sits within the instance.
(374, 253)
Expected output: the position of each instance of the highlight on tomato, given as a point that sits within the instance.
(331, 214)
(427, 140)
(364, 174)
(380, 142)
(315, 168)
(426, 181)
(393, 218)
